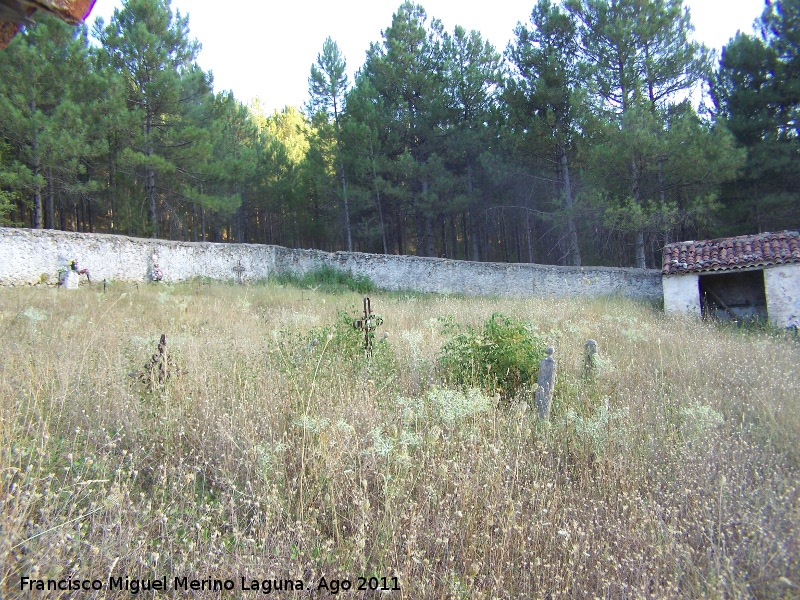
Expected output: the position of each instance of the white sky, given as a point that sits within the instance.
(265, 49)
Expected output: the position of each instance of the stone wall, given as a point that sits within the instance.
(29, 257)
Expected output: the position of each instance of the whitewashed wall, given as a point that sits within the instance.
(783, 294)
(682, 294)
(29, 257)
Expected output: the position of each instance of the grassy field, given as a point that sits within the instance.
(277, 451)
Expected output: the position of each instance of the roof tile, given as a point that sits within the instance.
(725, 254)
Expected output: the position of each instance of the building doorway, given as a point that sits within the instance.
(734, 296)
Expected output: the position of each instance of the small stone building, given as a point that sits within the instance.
(744, 277)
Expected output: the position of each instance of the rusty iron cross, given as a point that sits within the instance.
(368, 324)
(239, 269)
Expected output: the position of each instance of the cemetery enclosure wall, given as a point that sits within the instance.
(31, 257)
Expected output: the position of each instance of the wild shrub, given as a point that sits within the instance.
(501, 358)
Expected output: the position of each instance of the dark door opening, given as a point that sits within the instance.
(737, 296)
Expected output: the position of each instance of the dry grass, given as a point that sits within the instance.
(273, 453)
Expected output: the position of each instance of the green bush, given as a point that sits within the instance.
(503, 358)
(327, 279)
(343, 344)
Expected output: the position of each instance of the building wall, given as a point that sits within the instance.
(682, 294)
(30, 257)
(783, 294)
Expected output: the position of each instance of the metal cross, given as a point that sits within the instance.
(368, 324)
(239, 269)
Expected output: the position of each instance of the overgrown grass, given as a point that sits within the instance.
(327, 280)
(278, 450)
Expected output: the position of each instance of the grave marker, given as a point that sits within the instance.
(545, 384)
(368, 324)
(239, 270)
(590, 358)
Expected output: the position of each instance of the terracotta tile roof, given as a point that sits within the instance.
(16, 13)
(726, 254)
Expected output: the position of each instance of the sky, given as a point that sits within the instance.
(266, 49)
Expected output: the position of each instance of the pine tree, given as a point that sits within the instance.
(757, 93)
(153, 51)
(642, 64)
(40, 115)
(407, 71)
(327, 88)
(545, 100)
(474, 72)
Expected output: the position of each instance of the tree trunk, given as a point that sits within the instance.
(529, 228)
(574, 248)
(504, 233)
(641, 261)
(194, 221)
(398, 230)
(151, 176)
(473, 218)
(112, 181)
(36, 222)
(662, 195)
(445, 252)
(454, 238)
(464, 230)
(346, 208)
(343, 176)
(48, 213)
(62, 215)
(425, 246)
(378, 196)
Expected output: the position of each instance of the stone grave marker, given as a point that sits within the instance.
(590, 358)
(545, 385)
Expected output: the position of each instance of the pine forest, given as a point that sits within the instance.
(581, 143)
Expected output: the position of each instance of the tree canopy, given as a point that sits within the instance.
(581, 142)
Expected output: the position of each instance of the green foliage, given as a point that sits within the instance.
(339, 348)
(6, 206)
(757, 94)
(327, 279)
(503, 358)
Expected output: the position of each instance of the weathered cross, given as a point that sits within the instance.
(368, 324)
(239, 269)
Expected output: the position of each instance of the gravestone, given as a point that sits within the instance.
(590, 358)
(69, 279)
(545, 384)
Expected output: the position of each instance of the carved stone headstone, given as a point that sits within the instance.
(69, 280)
(545, 384)
(590, 358)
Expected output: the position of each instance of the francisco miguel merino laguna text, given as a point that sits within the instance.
(265, 586)
(134, 586)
